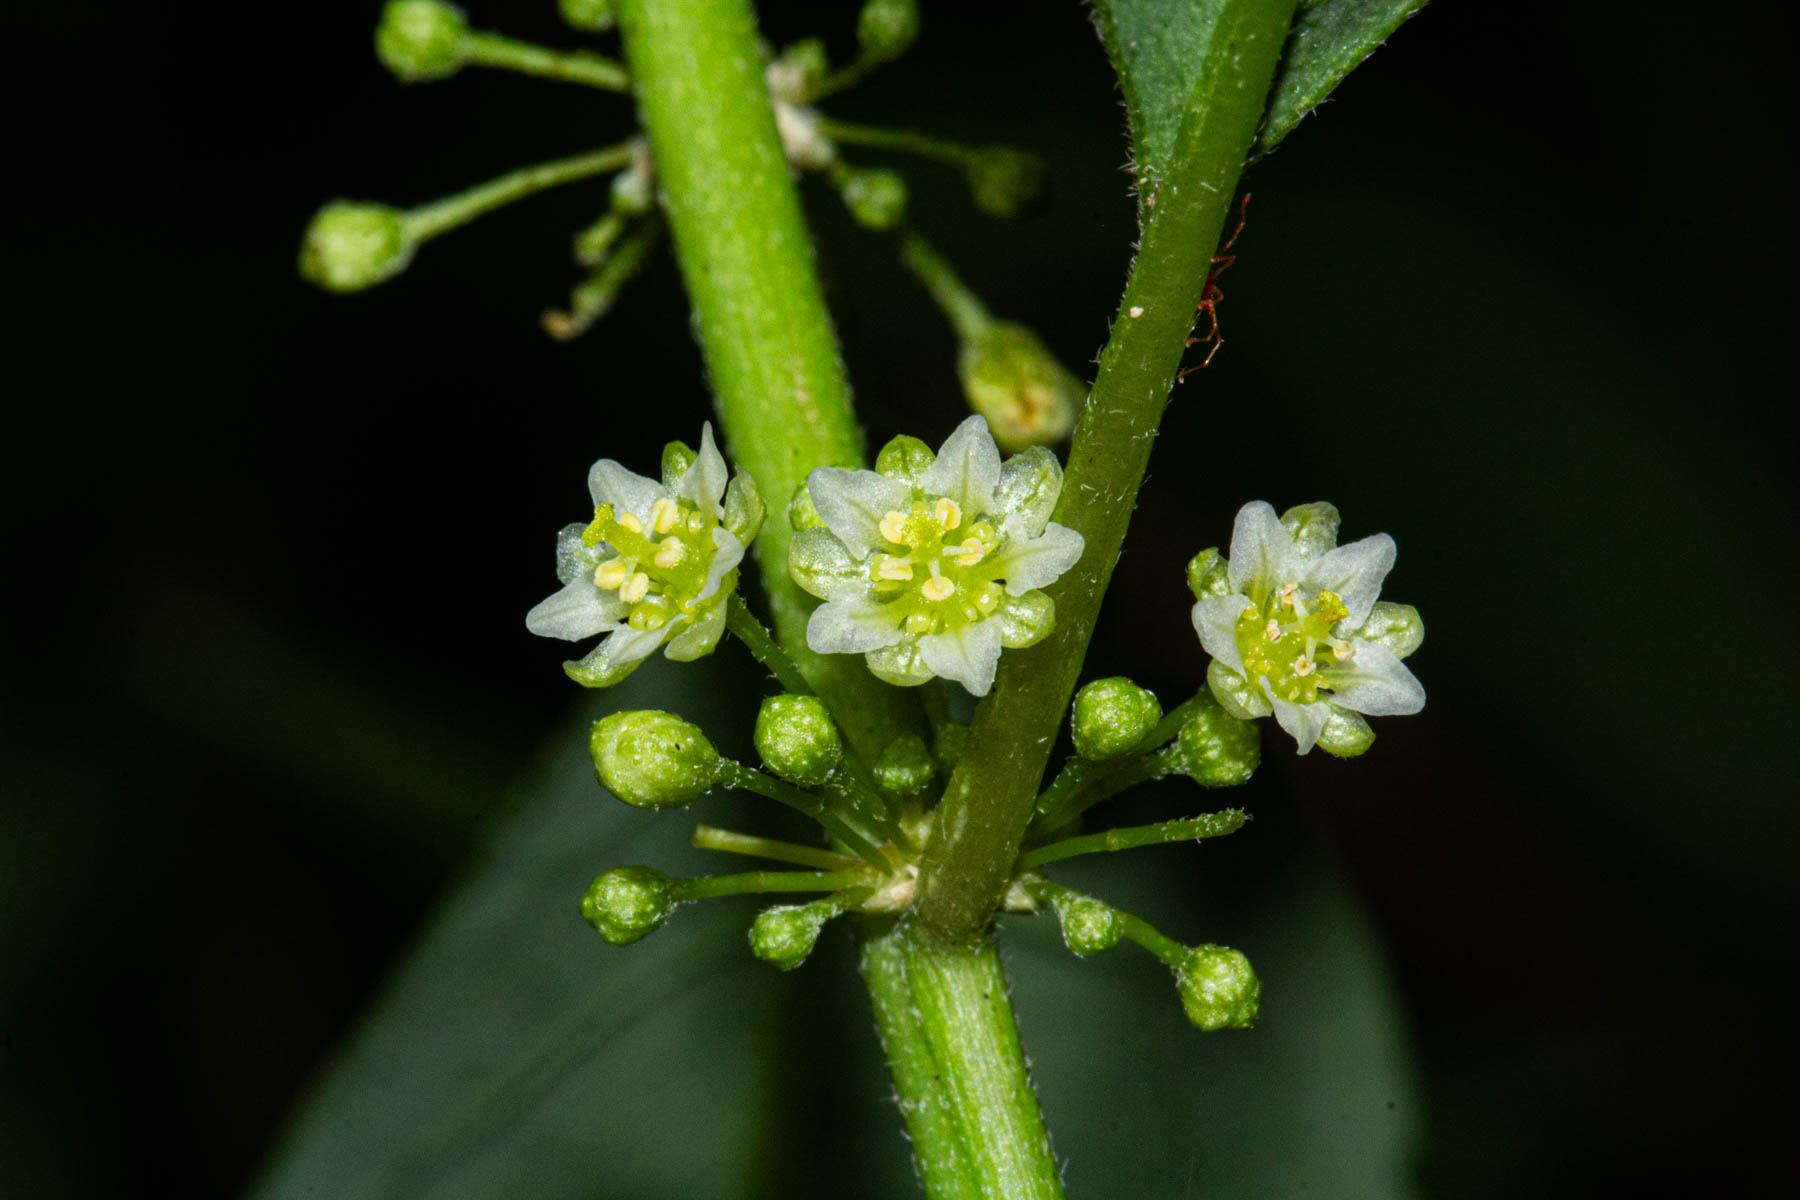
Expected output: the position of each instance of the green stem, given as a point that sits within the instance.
(1130, 837)
(594, 296)
(758, 882)
(771, 353)
(763, 647)
(441, 216)
(847, 827)
(963, 307)
(907, 141)
(953, 1048)
(574, 66)
(1135, 929)
(711, 837)
(990, 799)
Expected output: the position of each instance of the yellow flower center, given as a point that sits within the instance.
(936, 567)
(660, 570)
(1288, 640)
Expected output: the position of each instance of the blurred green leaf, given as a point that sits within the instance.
(1156, 47)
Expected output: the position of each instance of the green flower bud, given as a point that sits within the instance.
(948, 743)
(885, 28)
(652, 759)
(876, 198)
(1012, 379)
(350, 246)
(627, 904)
(1088, 925)
(421, 39)
(1218, 988)
(905, 458)
(1346, 734)
(1111, 716)
(1005, 180)
(783, 936)
(798, 739)
(591, 16)
(905, 767)
(1216, 749)
(1206, 574)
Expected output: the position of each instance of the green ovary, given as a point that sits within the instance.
(657, 568)
(937, 570)
(1288, 640)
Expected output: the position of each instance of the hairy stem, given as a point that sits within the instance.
(989, 802)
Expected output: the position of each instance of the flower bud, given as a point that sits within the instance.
(885, 28)
(798, 739)
(876, 197)
(800, 69)
(1216, 749)
(783, 936)
(652, 759)
(1346, 734)
(628, 903)
(905, 458)
(421, 39)
(590, 16)
(1088, 925)
(1111, 716)
(350, 246)
(1218, 988)
(1206, 574)
(1004, 180)
(905, 767)
(1012, 379)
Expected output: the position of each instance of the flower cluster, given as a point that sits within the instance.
(1295, 626)
(930, 564)
(655, 566)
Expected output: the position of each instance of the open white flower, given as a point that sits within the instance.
(1295, 626)
(930, 565)
(655, 565)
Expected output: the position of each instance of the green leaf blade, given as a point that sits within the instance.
(1330, 39)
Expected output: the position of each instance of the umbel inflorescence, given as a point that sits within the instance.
(931, 567)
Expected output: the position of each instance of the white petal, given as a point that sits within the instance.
(626, 491)
(1355, 573)
(1030, 563)
(1375, 683)
(1215, 620)
(1262, 554)
(617, 656)
(574, 559)
(852, 503)
(1303, 721)
(698, 638)
(852, 624)
(728, 552)
(580, 610)
(967, 468)
(967, 655)
(703, 483)
(819, 563)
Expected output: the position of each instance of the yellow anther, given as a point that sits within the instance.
(972, 552)
(937, 588)
(889, 567)
(893, 527)
(665, 515)
(670, 553)
(1290, 595)
(946, 513)
(630, 521)
(635, 589)
(1272, 630)
(1304, 666)
(1343, 650)
(612, 574)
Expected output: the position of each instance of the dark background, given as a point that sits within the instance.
(1520, 295)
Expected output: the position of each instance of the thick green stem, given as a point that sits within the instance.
(989, 802)
(953, 1049)
(747, 260)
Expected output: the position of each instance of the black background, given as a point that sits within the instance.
(1519, 295)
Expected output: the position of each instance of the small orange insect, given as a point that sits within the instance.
(1210, 295)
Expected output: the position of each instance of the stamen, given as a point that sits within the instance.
(972, 552)
(665, 515)
(947, 513)
(1343, 650)
(889, 567)
(612, 574)
(630, 521)
(938, 588)
(1304, 666)
(635, 589)
(1272, 630)
(1290, 595)
(893, 528)
(670, 553)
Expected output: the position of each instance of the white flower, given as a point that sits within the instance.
(1294, 624)
(929, 565)
(655, 565)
